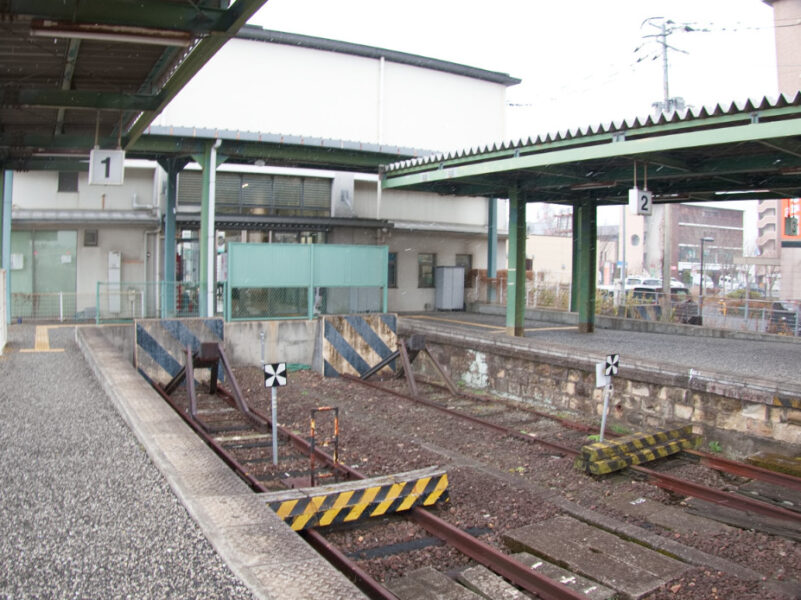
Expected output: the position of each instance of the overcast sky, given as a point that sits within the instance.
(582, 62)
(577, 59)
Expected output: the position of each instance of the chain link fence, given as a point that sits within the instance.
(55, 306)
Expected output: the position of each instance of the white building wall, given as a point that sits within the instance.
(407, 245)
(258, 86)
(39, 191)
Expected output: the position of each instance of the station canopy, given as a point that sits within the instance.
(75, 74)
(741, 151)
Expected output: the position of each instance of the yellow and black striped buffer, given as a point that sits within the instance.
(787, 402)
(350, 501)
(633, 443)
(608, 465)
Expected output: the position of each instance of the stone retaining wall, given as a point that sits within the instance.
(742, 417)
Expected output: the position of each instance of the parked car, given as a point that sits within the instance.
(645, 303)
(783, 318)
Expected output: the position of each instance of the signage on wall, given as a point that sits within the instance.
(106, 167)
(790, 221)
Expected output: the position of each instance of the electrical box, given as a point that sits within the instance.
(449, 284)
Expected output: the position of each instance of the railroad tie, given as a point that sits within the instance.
(605, 457)
(350, 501)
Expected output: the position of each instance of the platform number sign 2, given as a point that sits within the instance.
(612, 364)
(274, 375)
(641, 202)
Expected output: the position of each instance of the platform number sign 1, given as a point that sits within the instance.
(106, 167)
(274, 375)
(612, 364)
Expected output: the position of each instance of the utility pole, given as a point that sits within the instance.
(665, 28)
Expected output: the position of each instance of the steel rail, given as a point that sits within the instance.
(668, 482)
(359, 576)
(466, 416)
(727, 499)
(518, 573)
(745, 470)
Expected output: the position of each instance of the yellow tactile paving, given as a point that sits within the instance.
(42, 340)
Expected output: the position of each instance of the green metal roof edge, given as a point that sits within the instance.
(680, 121)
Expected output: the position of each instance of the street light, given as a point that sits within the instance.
(701, 287)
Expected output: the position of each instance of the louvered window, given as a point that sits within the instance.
(246, 193)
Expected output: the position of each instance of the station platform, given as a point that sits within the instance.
(669, 346)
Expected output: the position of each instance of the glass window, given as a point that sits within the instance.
(67, 181)
(425, 269)
(466, 261)
(392, 270)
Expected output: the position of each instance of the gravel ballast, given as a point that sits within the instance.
(84, 512)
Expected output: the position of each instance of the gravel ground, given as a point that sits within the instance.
(84, 513)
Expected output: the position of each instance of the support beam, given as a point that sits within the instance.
(5, 235)
(492, 248)
(209, 161)
(516, 284)
(586, 233)
(574, 273)
(228, 24)
(172, 166)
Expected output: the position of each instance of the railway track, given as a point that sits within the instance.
(663, 480)
(367, 552)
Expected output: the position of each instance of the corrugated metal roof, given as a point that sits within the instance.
(689, 117)
(735, 151)
(80, 73)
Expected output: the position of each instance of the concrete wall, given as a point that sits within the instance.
(740, 416)
(284, 341)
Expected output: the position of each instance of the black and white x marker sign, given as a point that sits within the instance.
(274, 375)
(612, 363)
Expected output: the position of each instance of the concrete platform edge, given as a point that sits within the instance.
(263, 570)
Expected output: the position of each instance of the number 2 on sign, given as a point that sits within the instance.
(645, 203)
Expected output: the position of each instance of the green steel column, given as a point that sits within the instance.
(587, 235)
(492, 248)
(574, 273)
(516, 285)
(5, 235)
(205, 163)
(209, 161)
(172, 166)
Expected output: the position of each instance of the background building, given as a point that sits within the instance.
(774, 239)
(67, 235)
